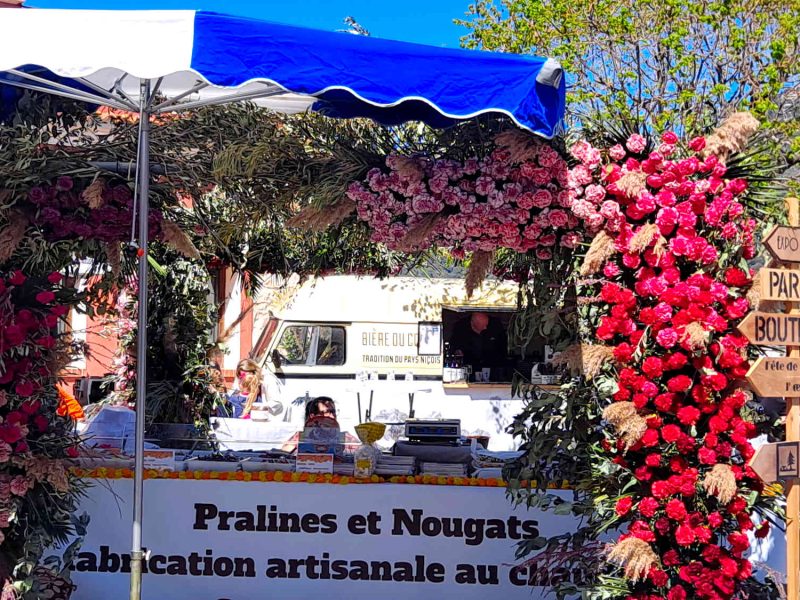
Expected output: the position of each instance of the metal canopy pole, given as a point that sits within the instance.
(143, 188)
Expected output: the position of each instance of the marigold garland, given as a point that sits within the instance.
(285, 477)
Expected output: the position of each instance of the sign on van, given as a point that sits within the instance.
(392, 347)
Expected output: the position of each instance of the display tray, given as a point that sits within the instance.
(491, 384)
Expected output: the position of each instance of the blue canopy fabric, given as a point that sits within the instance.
(385, 80)
(338, 74)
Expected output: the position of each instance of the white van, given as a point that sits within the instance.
(377, 348)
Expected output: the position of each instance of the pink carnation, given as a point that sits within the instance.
(595, 193)
(616, 152)
(636, 143)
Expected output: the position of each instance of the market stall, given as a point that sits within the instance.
(158, 62)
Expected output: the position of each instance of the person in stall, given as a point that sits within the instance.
(480, 341)
(320, 413)
(248, 390)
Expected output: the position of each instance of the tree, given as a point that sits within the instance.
(672, 64)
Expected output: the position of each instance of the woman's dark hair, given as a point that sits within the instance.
(312, 406)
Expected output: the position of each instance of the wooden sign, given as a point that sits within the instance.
(775, 377)
(780, 460)
(778, 284)
(784, 243)
(771, 329)
(787, 460)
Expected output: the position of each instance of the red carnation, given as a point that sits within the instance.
(676, 592)
(641, 530)
(663, 402)
(653, 460)
(671, 558)
(623, 506)
(706, 456)
(14, 335)
(671, 433)
(54, 277)
(679, 383)
(714, 519)
(623, 353)
(669, 137)
(676, 510)
(17, 278)
(688, 415)
(762, 531)
(684, 535)
(737, 505)
(45, 297)
(648, 506)
(658, 577)
(650, 438)
(24, 388)
(697, 144)
(676, 361)
(662, 489)
(653, 367)
(738, 541)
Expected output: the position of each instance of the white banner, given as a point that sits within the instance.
(212, 540)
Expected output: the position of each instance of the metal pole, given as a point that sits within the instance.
(793, 434)
(143, 187)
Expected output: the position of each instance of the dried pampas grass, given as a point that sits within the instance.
(632, 184)
(720, 482)
(522, 147)
(93, 194)
(600, 251)
(174, 236)
(408, 167)
(419, 232)
(585, 359)
(732, 136)
(643, 238)
(314, 218)
(479, 267)
(660, 247)
(12, 234)
(626, 420)
(696, 336)
(635, 556)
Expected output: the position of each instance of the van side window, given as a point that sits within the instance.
(295, 344)
(330, 346)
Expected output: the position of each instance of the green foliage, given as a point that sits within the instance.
(673, 64)
(180, 322)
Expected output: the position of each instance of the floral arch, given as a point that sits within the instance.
(646, 244)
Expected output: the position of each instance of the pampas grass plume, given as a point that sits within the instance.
(635, 556)
(721, 482)
(601, 249)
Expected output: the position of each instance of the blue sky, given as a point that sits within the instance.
(421, 21)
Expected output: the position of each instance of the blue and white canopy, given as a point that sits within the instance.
(195, 58)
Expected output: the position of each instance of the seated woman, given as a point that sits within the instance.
(317, 410)
(247, 391)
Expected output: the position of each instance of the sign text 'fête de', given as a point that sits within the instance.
(775, 377)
